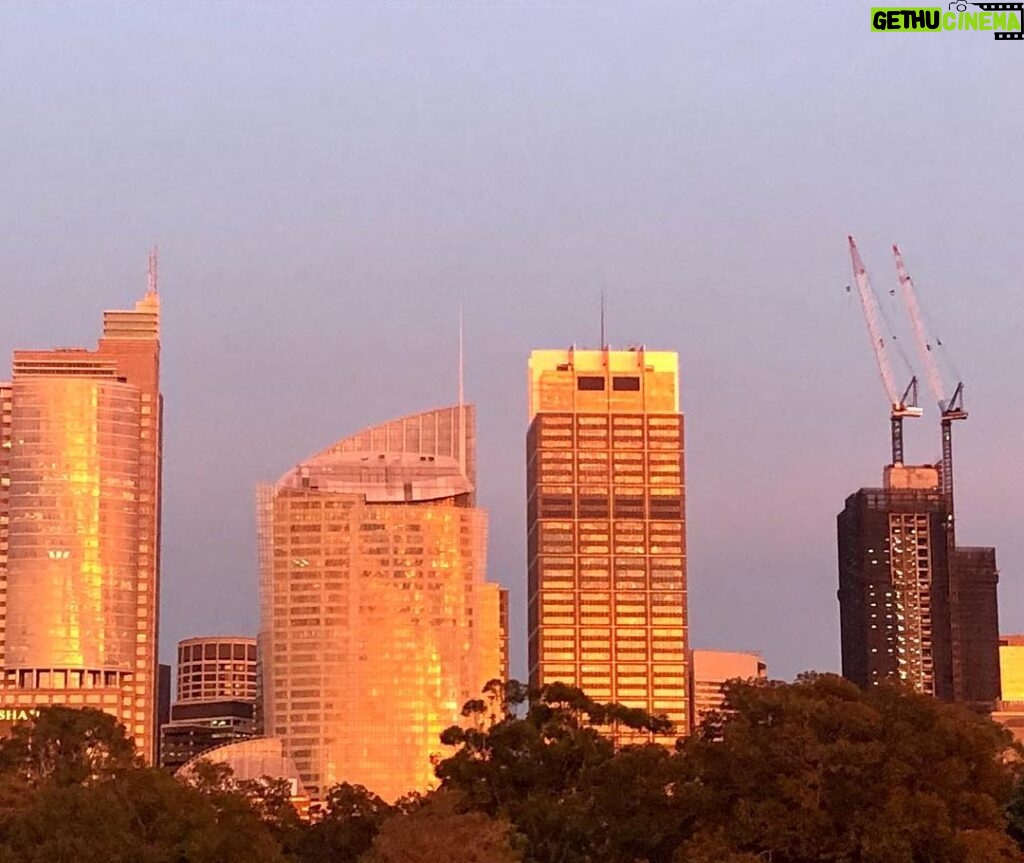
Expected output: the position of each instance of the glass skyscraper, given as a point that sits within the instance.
(80, 459)
(377, 623)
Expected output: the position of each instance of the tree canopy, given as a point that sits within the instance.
(817, 771)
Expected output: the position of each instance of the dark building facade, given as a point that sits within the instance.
(976, 581)
(196, 728)
(913, 607)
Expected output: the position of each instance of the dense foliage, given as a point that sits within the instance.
(817, 770)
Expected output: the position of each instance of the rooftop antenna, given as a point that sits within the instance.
(604, 304)
(152, 269)
(461, 378)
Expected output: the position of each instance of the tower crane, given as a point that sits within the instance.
(900, 406)
(951, 407)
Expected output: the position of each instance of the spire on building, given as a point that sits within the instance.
(152, 272)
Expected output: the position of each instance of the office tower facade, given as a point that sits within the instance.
(377, 623)
(81, 519)
(710, 670)
(215, 698)
(913, 606)
(606, 528)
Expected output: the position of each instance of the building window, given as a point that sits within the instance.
(631, 383)
(589, 382)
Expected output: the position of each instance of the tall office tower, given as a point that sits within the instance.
(215, 698)
(377, 622)
(80, 456)
(606, 528)
(912, 605)
(712, 669)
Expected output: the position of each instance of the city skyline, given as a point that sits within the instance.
(518, 644)
(330, 188)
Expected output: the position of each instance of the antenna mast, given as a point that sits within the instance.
(461, 391)
(604, 303)
(151, 270)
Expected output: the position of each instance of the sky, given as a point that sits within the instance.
(327, 182)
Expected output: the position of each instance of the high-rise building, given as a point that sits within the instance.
(215, 701)
(377, 624)
(80, 459)
(606, 528)
(711, 669)
(913, 606)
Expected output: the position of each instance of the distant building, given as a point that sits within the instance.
(80, 466)
(711, 669)
(914, 607)
(606, 543)
(1010, 708)
(215, 701)
(256, 759)
(377, 622)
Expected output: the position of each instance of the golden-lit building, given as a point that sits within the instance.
(712, 669)
(80, 441)
(1010, 707)
(606, 527)
(377, 624)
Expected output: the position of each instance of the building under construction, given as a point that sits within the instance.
(913, 605)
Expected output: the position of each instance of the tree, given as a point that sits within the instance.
(821, 770)
(438, 831)
(556, 777)
(141, 815)
(349, 822)
(73, 791)
(814, 771)
(67, 746)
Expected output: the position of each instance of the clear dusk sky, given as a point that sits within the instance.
(327, 181)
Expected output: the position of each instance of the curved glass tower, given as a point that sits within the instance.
(377, 622)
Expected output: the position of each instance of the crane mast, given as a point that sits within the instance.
(900, 405)
(951, 408)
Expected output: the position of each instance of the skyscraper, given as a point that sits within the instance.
(913, 606)
(377, 624)
(80, 458)
(606, 527)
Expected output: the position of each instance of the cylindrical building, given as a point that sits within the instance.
(216, 668)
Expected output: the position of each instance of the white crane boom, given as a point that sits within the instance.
(899, 405)
(924, 347)
(869, 303)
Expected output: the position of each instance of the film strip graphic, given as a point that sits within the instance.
(1005, 7)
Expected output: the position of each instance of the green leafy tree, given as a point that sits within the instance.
(555, 775)
(67, 746)
(72, 791)
(820, 770)
(438, 831)
(349, 821)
